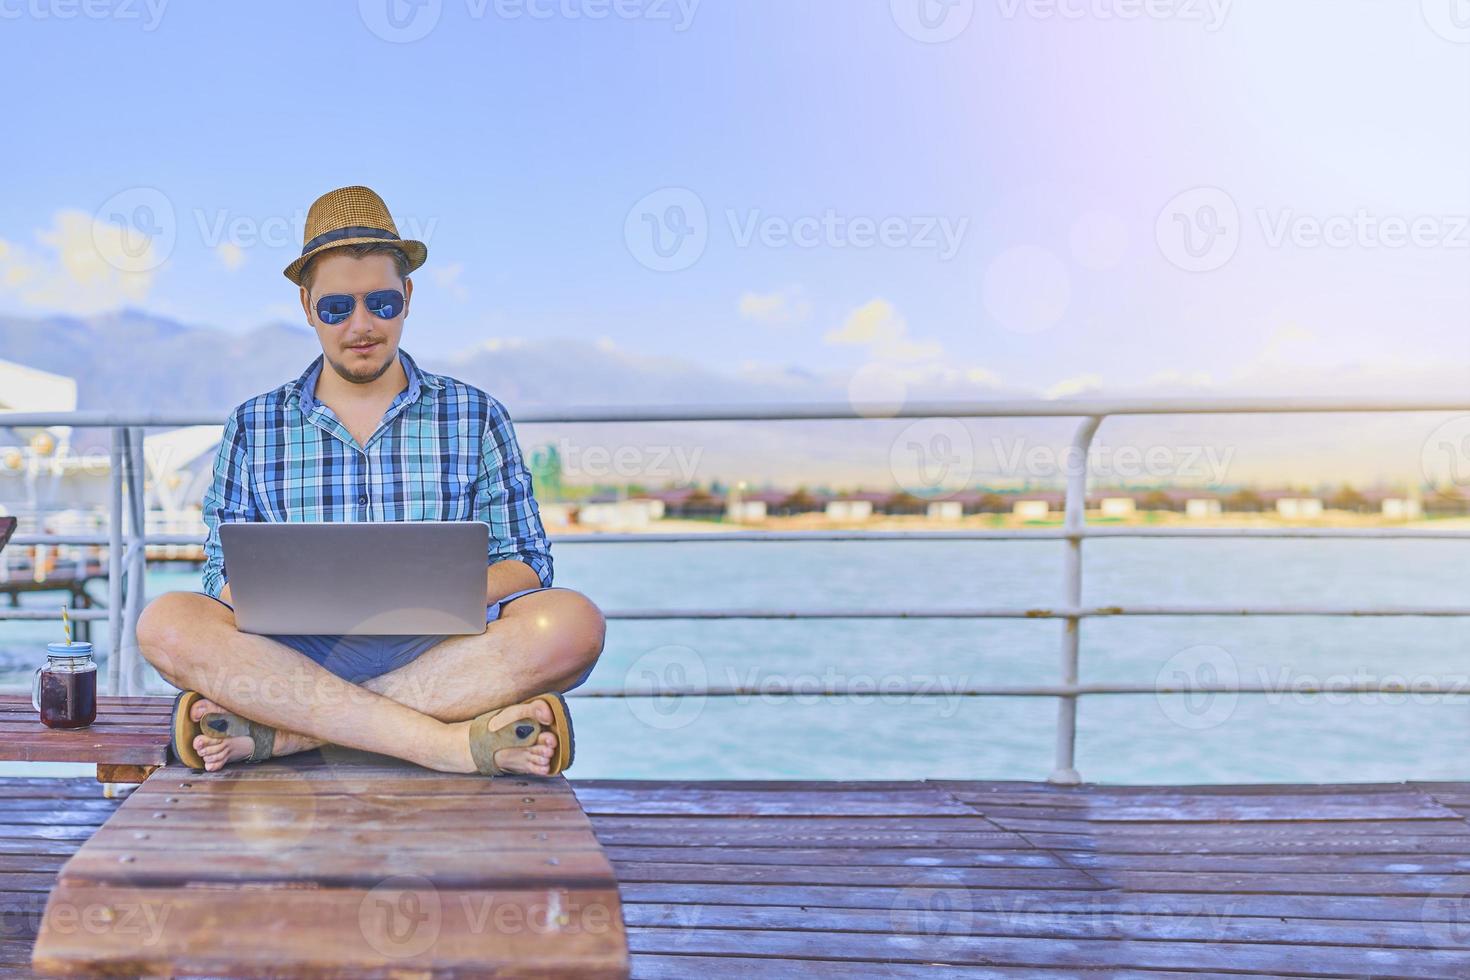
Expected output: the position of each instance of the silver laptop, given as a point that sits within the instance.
(367, 578)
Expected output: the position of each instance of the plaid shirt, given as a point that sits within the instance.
(445, 451)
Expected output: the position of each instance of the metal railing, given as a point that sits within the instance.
(126, 547)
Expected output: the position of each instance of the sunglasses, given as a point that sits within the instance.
(335, 308)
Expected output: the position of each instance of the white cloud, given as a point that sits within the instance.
(230, 254)
(447, 279)
(290, 312)
(1069, 387)
(783, 308)
(879, 327)
(80, 266)
(491, 345)
(1288, 341)
(982, 376)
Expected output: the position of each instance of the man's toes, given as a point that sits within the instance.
(524, 761)
(200, 708)
(218, 752)
(541, 711)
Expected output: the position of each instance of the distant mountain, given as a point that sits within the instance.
(136, 360)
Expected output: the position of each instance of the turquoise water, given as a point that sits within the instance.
(1141, 738)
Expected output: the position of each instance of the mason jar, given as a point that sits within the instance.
(65, 688)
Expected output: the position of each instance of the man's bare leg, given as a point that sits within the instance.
(544, 641)
(541, 642)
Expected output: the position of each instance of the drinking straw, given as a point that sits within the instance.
(65, 622)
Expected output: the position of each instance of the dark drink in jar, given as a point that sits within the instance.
(65, 689)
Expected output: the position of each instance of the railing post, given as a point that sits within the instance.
(132, 661)
(1074, 520)
(115, 563)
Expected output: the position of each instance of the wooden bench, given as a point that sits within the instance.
(128, 740)
(339, 864)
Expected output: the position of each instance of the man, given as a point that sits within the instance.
(364, 434)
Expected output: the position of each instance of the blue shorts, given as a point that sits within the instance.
(359, 658)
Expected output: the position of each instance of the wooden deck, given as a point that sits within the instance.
(976, 879)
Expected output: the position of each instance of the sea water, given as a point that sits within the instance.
(876, 733)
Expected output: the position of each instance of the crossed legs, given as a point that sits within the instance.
(419, 712)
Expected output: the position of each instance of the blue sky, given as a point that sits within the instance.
(1036, 175)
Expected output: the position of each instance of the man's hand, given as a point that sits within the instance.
(505, 577)
(224, 593)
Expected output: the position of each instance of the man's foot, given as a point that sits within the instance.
(530, 760)
(218, 752)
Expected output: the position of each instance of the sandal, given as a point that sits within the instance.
(484, 743)
(215, 724)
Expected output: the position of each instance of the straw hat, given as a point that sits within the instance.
(349, 216)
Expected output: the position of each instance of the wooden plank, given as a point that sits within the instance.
(681, 800)
(80, 746)
(252, 839)
(329, 867)
(251, 821)
(392, 931)
(1336, 843)
(676, 966)
(281, 779)
(916, 857)
(26, 881)
(54, 811)
(1396, 864)
(687, 823)
(21, 729)
(880, 876)
(1124, 922)
(1054, 953)
(80, 831)
(893, 843)
(1301, 883)
(45, 788)
(1382, 806)
(38, 845)
(154, 704)
(1201, 831)
(343, 807)
(1000, 901)
(1192, 789)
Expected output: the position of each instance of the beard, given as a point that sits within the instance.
(365, 372)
